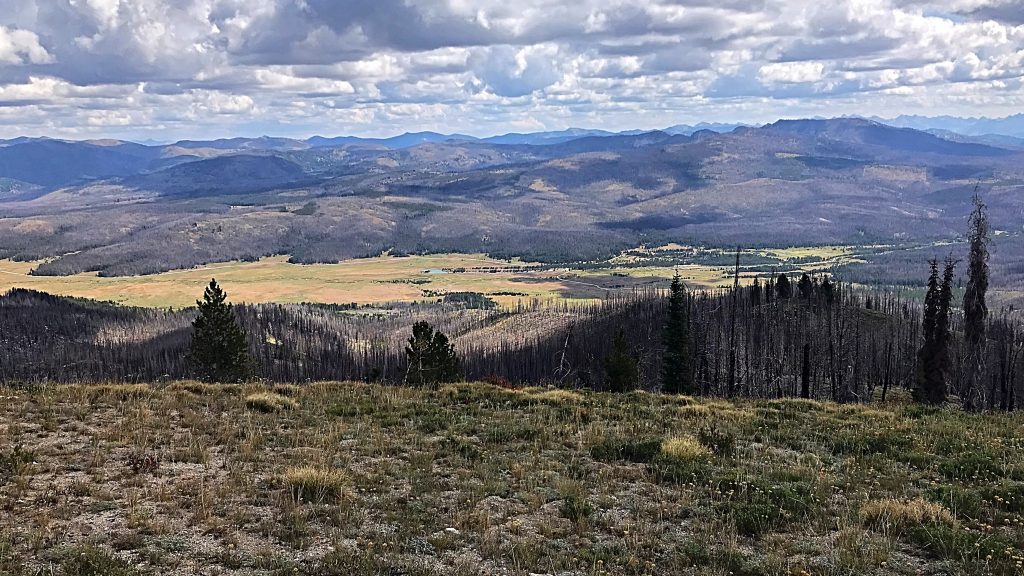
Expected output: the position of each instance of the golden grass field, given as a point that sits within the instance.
(387, 279)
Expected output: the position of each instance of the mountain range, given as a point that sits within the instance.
(50, 163)
(118, 208)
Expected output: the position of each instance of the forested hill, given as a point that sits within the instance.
(568, 198)
(810, 338)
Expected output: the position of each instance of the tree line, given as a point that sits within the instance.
(805, 336)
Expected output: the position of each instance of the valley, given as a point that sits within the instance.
(844, 182)
(537, 288)
(391, 279)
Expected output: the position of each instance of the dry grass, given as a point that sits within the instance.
(273, 279)
(685, 448)
(396, 279)
(315, 484)
(558, 396)
(891, 514)
(269, 402)
(362, 480)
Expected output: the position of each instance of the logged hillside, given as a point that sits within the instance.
(804, 182)
(360, 480)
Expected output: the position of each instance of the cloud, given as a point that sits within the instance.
(148, 68)
(21, 46)
(791, 72)
(512, 72)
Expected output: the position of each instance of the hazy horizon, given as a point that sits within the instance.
(371, 135)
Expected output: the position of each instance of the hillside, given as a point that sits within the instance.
(353, 479)
(549, 199)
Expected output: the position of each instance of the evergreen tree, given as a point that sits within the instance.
(943, 338)
(925, 378)
(219, 351)
(828, 290)
(805, 286)
(432, 358)
(975, 308)
(755, 293)
(783, 287)
(676, 373)
(934, 356)
(620, 366)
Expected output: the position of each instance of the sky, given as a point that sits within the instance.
(169, 69)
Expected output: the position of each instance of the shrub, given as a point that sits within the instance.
(753, 518)
(143, 462)
(859, 442)
(680, 460)
(315, 484)
(953, 542)
(1007, 496)
(269, 402)
(961, 501)
(721, 442)
(575, 507)
(759, 506)
(970, 466)
(692, 554)
(463, 447)
(640, 451)
(15, 463)
(93, 561)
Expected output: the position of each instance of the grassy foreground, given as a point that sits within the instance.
(344, 478)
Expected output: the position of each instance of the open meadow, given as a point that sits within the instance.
(358, 479)
(385, 279)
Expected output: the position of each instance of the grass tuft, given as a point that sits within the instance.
(685, 448)
(316, 484)
(896, 515)
(269, 402)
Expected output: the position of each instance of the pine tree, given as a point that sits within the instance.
(783, 287)
(219, 351)
(828, 290)
(925, 378)
(676, 373)
(805, 286)
(620, 366)
(943, 338)
(933, 358)
(431, 357)
(755, 293)
(975, 308)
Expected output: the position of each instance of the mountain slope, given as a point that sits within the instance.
(844, 181)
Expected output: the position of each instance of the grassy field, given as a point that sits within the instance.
(364, 281)
(352, 479)
(390, 279)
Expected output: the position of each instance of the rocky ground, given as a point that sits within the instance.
(354, 479)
